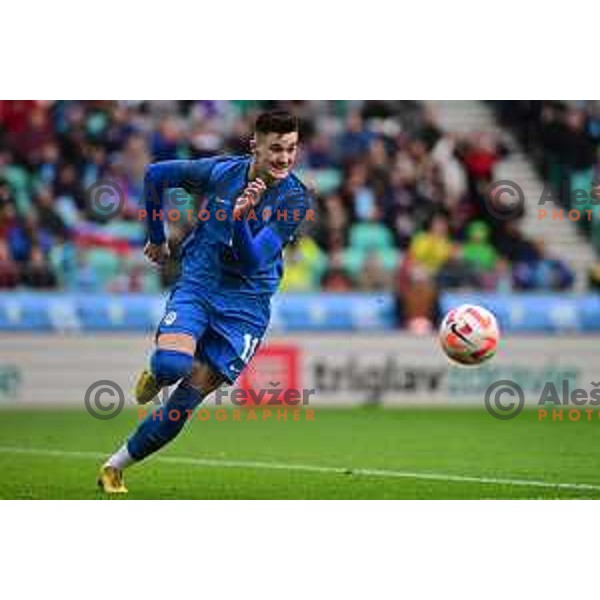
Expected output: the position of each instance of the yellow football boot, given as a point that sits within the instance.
(146, 388)
(110, 480)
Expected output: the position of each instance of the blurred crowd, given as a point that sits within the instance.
(400, 204)
(563, 138)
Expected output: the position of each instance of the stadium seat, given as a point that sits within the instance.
(19, 181)
(326, 181)
(105, 263)
(581, 181)
(132, 231)
(371, 236)
(354, 259)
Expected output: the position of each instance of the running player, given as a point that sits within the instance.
(219, 308)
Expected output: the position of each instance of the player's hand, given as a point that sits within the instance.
(157, 253)
(249, 198)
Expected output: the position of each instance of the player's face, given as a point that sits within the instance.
(275, 153)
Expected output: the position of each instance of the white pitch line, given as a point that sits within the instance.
(383, 473)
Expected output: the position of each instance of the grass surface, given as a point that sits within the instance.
(408, 446)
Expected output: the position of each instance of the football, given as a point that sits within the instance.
(469, 334)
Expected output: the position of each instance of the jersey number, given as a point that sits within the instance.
(250, 344)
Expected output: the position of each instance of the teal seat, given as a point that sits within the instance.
(63, 259)
(582, 180)
(19, 181)
(151, 282)
(326, 181)
(125, 230)
(105, 263)
(354, 259)
(371, 236)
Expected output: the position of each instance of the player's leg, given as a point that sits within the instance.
(165, 422)
(224, 350)
(173, 360)
(161, 426)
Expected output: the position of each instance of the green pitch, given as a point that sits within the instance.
(357, 453)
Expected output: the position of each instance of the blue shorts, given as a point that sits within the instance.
(228, 329)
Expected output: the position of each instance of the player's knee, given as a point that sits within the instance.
(169, 366)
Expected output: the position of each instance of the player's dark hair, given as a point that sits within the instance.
(276, 121)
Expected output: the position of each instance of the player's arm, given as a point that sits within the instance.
(267, 244)
(193, 175)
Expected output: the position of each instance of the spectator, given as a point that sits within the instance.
(594, 277)
(416, 292)
(320, 153)
(67, 184)
(47, 169)
(48, 217)
(37, 273)
(577, 147)
(333, 226)
(543, 273)
(165, 141)
(373, 276)
(512, 245)
(428, 254)
(304, 266)
(456, 273)
(430, 250)
(481, 153)
(480, 255)
(8, 212)
(336, 278)
(354, 142)
(64, 262)
(407, 208)
(9, 273)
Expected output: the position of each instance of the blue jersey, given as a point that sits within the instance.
(209, 258)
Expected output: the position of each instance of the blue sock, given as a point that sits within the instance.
(164, 423)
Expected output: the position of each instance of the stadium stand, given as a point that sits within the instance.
(401, 203)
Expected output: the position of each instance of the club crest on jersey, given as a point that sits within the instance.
(170, 318)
